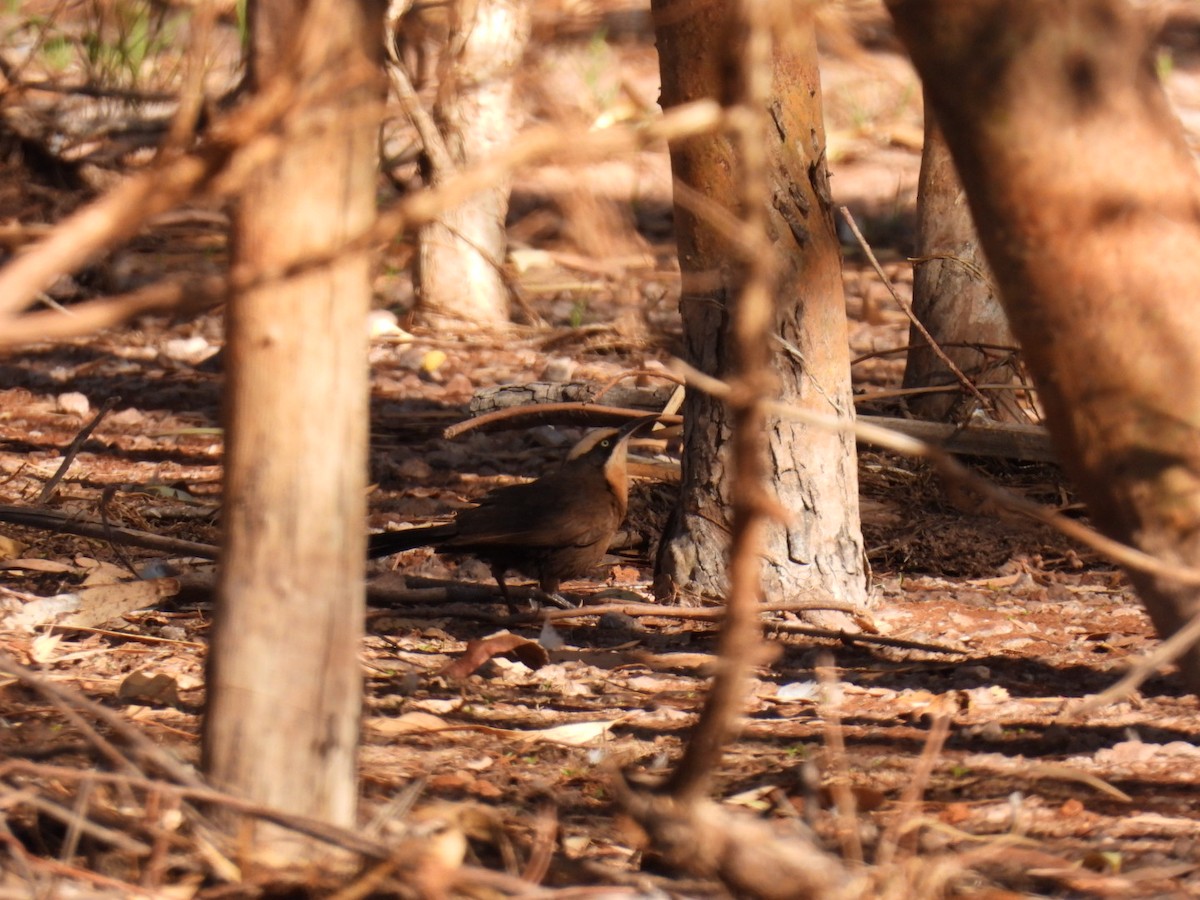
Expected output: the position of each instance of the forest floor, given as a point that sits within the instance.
(1010, 623)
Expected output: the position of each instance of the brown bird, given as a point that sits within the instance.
(551, 529)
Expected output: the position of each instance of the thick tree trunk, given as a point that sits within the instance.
(1088, 205)
(284, 685)
(812, 472)
(461, 254)
(953, 297)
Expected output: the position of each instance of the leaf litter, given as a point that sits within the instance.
(491, 765)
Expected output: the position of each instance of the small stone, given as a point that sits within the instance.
(190, 350)
(558, 368)
(72, 403)
(414, 468)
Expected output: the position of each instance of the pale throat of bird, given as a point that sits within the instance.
(614, 474)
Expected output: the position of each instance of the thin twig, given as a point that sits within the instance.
(839, 786)
(78, 825)
(67, 523)
(636, 373)
(106, 496)
(90, 316)
(919, 780)
(118, 214)
(73, 449)
(907, 309)
(710, 613)
(850, 637)
(200, 793)
(740, 646)
(1169, 650)
(905, 349)
(68, 701)
(441, 163)
(894, 393)
(545, 830)
(965, 263)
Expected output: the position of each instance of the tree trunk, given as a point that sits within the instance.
(819, 548)
(461, 254)
(284, 684)
(953, 297)
(1088, 206)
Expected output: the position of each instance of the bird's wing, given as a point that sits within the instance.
(530, 515)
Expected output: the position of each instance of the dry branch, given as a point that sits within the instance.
(73, 449)
(506, 396)
(106, 312)
(71, 523)
(906, 307)
(540, 402)
(587, 414)
(762, 859)
(740, 645)
(118, 215)
(74, 706)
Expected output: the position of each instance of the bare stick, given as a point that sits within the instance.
(201, 793)
(637, 373)
(106, 312)
(843, 797)
(903, 350)
(709, 613)
(66, 523)
(68, 700)
(1171, 649)
(913, 790)
(848, 637)
(73, 449)
(441, 163)
(118, 214)
(907, 309)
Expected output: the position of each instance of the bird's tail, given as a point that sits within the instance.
(385, 543)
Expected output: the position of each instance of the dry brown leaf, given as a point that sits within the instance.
(11, 548)
(144, 689)
(513, 646)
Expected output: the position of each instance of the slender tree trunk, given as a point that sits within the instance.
(284, 685)
(812, 473)
(954, 296)
(1088, 206)
(461, 254)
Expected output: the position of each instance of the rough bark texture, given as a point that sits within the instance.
(953, 296)
(284, 685)
(461, 254)
(811, 472)
(1088, 205)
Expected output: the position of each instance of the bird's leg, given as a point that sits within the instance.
(550, 591)
(498, 574)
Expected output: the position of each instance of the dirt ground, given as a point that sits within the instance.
(1001, 624)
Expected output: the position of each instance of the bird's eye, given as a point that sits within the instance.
(606, 443)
